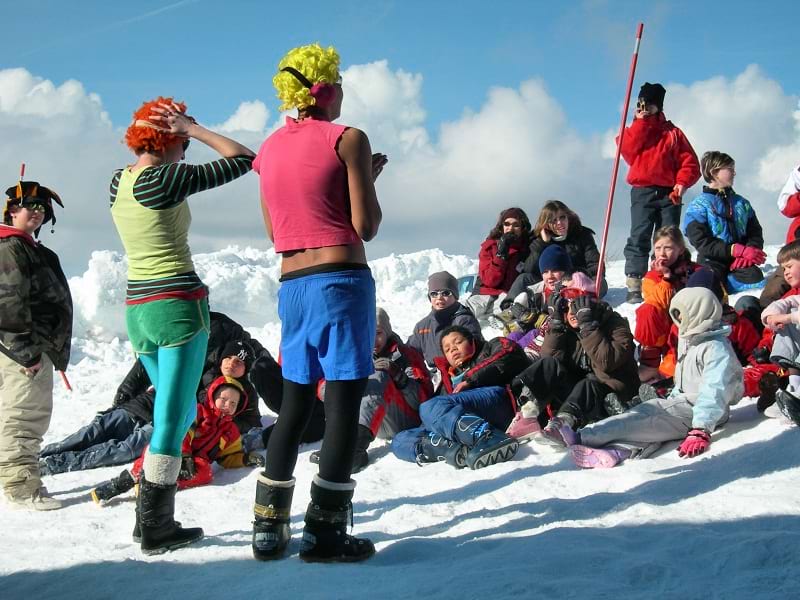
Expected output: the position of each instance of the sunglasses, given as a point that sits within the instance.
(440, 294)
(35, 207)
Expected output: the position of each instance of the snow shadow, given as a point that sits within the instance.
(724, 559)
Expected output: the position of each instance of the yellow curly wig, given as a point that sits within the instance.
(318, 64)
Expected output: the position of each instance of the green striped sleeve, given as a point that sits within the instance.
(114, 186)
(167, 186)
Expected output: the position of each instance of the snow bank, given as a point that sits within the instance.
(719, 526)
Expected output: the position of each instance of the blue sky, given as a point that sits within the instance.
(479, 106)
(216, 54)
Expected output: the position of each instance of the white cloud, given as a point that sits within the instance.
(441, 189)
(249, 116)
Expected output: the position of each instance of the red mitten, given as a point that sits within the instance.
(696, 442)
(756, 256)
(740, 263)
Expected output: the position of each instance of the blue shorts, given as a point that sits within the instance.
(327, 326)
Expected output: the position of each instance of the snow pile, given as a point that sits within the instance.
(722, 525)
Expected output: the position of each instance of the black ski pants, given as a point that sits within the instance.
(553, 384)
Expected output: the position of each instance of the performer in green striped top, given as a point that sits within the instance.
(167, 309)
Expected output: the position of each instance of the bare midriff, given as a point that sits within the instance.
(294, 260)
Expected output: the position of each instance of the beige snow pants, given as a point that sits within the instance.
(26, 404)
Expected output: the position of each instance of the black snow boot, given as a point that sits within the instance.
(434, 448)
(113, 487)
(325, 537)
(789, 405)
(487, 445)
(272, 512)
(768, 386)
(160, 533)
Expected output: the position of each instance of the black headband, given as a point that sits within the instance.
(299, 76)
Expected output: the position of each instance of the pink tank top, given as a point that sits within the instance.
(304, 186)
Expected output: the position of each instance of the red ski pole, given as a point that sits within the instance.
(65, 380)
(615, 168)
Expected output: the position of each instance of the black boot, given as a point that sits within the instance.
(789, 405)
(160, 533)
(325, 537)
(434, 448)
(487, 445)
(272, 513)
(768, 386)
(113, 487)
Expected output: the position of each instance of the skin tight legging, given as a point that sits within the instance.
(175, 373)
(342, 405)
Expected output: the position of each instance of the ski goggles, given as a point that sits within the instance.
(440, 294)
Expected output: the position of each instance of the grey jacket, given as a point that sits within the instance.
(425, 338)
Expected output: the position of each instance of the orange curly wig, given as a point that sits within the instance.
(141, 138)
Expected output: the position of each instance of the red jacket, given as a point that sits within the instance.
(495, 363)
(792, 210)
(659, 154)
(419, 393)
(212, 437)
(497, 274)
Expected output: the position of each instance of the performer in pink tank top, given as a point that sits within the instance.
(319, 203)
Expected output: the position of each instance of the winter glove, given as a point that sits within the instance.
(556, 307)
(755, 256)
(518, 310)
(676, 195)
(696, 442)
(739, 263)
(504, 243)
(394, 370)
(761, 355)
(583, 307)
(120, 399)
(188, 470)
(254, 459)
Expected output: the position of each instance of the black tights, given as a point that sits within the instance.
(342, 405)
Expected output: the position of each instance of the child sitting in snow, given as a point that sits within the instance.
(783, 318)
(212, 438)
(724, 229)
(446, 310)
(528, 309)
(500, 260)
(586, 356)
(669, 270)
(708, 380)
(465, 425)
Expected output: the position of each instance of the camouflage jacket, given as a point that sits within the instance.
(35, 302)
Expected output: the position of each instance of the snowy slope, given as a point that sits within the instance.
(725, 525)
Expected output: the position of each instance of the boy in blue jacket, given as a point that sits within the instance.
(723, 227)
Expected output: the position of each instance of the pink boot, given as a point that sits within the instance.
(524, 428)
(598, 458)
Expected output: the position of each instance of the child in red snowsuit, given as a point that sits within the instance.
(213, 437)
(663, 165)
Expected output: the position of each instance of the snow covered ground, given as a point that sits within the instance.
(725, 525)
